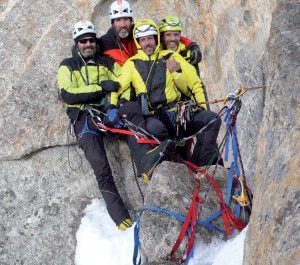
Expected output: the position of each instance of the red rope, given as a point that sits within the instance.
(190, 222)
(228, 217)
(188, 225)
(140, 140)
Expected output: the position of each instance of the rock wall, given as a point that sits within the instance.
(249, 43)
(273, 236)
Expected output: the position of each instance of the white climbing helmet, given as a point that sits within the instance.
(145, 30)
(83, 27)
(120, 9)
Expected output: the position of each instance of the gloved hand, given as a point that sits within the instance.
(110, 86)
(196, 57)
(115, 118)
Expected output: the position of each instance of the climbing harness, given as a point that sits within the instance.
(141, 135)
(86, 128)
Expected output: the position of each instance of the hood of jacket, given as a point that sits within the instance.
(151, 23)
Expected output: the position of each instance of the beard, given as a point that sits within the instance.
(172, 46)
(88, 52)
(123, 35)
(123, 31)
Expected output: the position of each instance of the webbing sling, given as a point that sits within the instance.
(136, 254)
(189, 224)
(228, 217)
(224, 211)
(241, 194)
(140, 139)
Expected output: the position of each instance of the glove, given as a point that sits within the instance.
(114, 118)
(195, 57)
(110, 86)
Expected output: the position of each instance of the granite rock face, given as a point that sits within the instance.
(276, 214)
(44, 177)
(172, 193)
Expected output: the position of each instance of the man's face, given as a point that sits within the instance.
(171, 39)
(122, 26)
(148, 44)
(87, 46)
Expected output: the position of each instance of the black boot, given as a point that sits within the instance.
(165, 151)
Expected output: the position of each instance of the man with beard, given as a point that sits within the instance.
(118, 42)
(160, 77)
(83, 81)
(170, 29)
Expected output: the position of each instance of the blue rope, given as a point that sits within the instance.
(206, 223)
(234, 168)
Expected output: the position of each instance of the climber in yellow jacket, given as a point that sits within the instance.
(159, 79)
(141, 71)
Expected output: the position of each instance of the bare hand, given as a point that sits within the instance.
(172, 65)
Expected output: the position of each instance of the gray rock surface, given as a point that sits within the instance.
(276, 214)
(42, 198)
(172, 190)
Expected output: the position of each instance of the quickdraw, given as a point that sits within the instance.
(185, 111)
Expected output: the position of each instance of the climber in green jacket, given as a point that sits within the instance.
(83, 80)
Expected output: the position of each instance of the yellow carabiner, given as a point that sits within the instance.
(242, 199)
(241, 91)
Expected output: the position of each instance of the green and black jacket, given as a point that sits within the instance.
(79, 80)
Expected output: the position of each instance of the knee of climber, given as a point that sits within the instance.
(105, 181)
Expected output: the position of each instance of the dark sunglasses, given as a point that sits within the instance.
(84, 41)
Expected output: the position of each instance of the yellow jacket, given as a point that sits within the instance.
(149, 75)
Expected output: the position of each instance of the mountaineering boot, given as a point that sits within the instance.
(125, 224)
(166, 150)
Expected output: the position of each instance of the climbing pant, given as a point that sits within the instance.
(94, 150)
(206, 142)
(154, 127)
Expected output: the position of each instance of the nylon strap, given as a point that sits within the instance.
(188, 225)
(140, 139)
(228, 217)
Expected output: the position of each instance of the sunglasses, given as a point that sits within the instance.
(84, 41)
